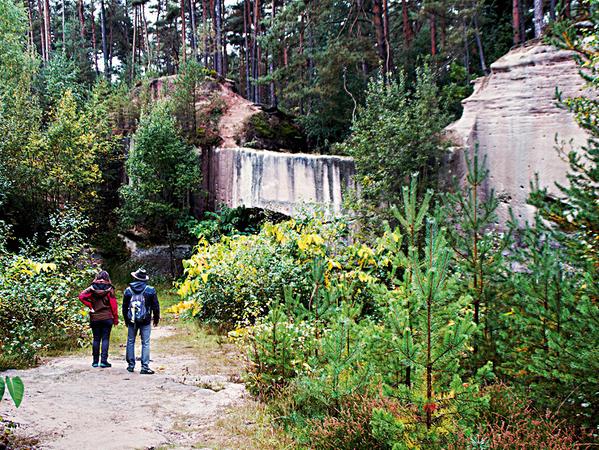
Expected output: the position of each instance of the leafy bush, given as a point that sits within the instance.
(162, 171)
(397, 133)
(236, 279)
(39, 309)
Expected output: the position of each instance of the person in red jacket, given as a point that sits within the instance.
(103, 314)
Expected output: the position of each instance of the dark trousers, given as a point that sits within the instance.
(101, 331)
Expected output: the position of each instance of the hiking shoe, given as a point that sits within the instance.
(105, 365)
(130, 369)
(94, 364)
(146, 371)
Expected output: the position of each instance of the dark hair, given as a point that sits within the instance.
(103, 275)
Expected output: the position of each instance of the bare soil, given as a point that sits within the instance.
(70, 405)
(238, 109)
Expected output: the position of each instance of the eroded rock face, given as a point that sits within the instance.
(514, 118)
(281, 182)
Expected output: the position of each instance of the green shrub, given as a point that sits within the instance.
(39, 309)
(235, 280)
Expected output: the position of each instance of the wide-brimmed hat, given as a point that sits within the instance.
(140, 274)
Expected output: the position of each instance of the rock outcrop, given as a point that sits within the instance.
(514, 118)
(281, 182)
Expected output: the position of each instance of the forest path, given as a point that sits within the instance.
(237, 111)
(70, 405)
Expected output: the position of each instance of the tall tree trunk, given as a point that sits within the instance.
(481, 54)
(516, 21)
(213, 36)
(407, 27)
(205, 32)
(538, 18)
(466, 50)
(521, 5)
(433, 22)
(219, 38)
(388, 54)
(271, 66)
(183, 28)
(246, 19)
(110, 36)
(30, 30)
(158, 10)
(42, 30)
(310, 32)
(80, 11)
(47, 27)
(301, 52)
(224, 39)
(146, 36)
(552, 14)
(64, 32)
(255, 50)
(104, 42)
(94, 41)
(134, 43)
(194, 29)
(175, 48)
(568, 8)
(377, 22)
(443, 27)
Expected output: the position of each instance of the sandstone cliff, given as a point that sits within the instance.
(514, 118)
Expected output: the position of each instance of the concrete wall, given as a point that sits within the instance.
(282, 182)
(514, 118)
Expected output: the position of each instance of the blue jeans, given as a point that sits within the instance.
(101, 331)
(144, 331)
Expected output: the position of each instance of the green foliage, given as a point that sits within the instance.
(69, 171)
(552, 320)
(15, 387)
(470, 216)
(226, 222)
(59, 76)
(39, 309)
(162, 172)
(396, 134)
(235, 280)
(197, 127)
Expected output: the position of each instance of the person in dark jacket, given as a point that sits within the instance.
(103, 314)
(139, 290)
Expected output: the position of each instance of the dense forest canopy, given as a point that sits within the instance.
(311, 58)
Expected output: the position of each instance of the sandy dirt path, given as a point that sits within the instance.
(70, 405)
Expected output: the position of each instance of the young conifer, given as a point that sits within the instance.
(470, 214)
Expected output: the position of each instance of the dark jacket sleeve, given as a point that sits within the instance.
(125, 307)
(155, 307)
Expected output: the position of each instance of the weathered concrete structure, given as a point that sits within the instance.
(514, 118)
(282, 182)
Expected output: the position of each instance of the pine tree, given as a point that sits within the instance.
(470, 215)
(440, 332)
(556, 294)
